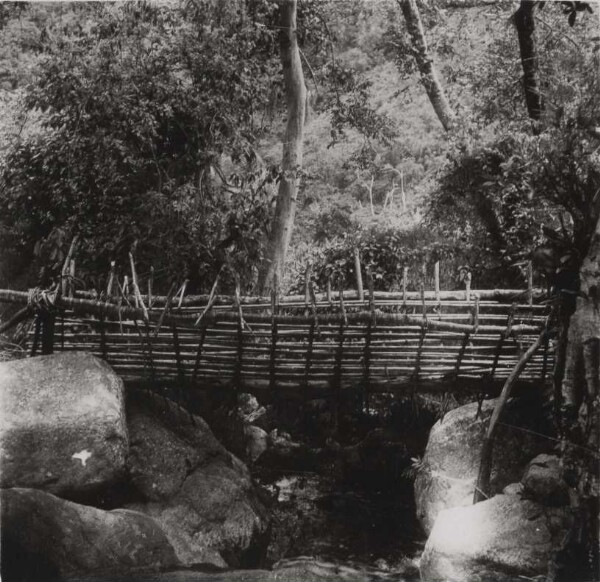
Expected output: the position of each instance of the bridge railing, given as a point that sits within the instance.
(386, 342)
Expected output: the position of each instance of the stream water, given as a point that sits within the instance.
(352, 523)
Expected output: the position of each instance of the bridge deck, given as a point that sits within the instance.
(388, 344)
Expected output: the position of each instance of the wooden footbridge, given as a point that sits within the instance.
(371, 341)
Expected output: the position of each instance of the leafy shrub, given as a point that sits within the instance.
(385, 252)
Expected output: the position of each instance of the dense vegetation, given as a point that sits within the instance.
(156, 127)
(463, 131)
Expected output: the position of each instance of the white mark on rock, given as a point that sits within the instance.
(83, 456)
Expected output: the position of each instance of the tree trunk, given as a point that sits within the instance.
(525, 23)
(291, 165)
(429, 76)
(580, 420)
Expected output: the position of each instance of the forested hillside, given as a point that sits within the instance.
(114, 128)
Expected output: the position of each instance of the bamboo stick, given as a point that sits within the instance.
(66, 265)
(482, 487)
(436, 276)
(484, 294)
(111, 277)
(136, 289)
(529, 282)
(358, 273)
(17, 318)
(468, 286)
(150, 283)
(71, 284)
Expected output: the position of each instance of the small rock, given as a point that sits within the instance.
(543, 481)
(247, 404)
(513, 489)
(256, 442)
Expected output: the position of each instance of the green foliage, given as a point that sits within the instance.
(140, 109)
(385, 252)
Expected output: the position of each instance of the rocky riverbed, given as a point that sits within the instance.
(100, 482)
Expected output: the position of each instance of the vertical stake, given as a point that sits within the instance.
(307, 273)
(66, 266)
(273, 354)
(468, 286)
(72, 278)
(529, 283)
(329, 290)
(404, 282)
(357, 269)
(337, 370)
(150, 283)
(436, 276)
(111, 279)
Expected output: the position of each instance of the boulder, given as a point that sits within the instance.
(543, 481)
(447, 475)
(256, 442)
(45, 538)
(201, 495)
(63, 425)
(502, 539)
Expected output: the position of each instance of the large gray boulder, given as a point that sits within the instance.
(63, 425)
(201, 495)
(450, 465)
(502, 539)
(45, 538)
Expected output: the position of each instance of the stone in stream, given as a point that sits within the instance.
(201, 495)
(543, 481)
(450, 465)
(46, 538)
(502, 539)
(63, 425)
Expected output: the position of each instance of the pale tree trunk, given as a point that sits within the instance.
(525, 23)
(429, 75)
(581, 422)
(291, 165)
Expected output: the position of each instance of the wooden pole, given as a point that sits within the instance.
(17, 318)
(71, 284)
(529, 283)
(436, 277)
(404, 282)
(150, 283)
(66, 266)
(111, 279)
(306, 288)
(273, 353)
(182, 293)
(468, 286)
(136, 289)
(482, 486)
(402, 191)
(358, 272)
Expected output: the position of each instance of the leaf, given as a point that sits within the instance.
(572, 18)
